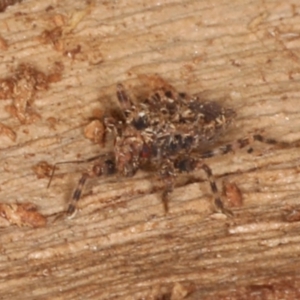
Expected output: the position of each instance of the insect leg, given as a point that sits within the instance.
(106, 167)
(124, 100)
(167, 174)
(217, 198)
(241, 143)
(188, 164)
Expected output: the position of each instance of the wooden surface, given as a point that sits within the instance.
(120, 245)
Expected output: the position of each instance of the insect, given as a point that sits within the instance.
(170, 132)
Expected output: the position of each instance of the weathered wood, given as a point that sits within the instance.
(120, 245)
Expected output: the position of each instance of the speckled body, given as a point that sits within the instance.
(167, 132)
(167, 125)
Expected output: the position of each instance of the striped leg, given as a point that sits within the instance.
(106, 167)
(189, 164)
(242, 143)
(217, 198)
(77, 194)
(167, 174)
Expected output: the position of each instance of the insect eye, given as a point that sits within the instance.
(171, 107)
(140, 123)
(168, 94)
(110, 166)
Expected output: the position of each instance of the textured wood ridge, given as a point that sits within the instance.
(120, 245)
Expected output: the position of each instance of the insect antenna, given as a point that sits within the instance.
(72, 162)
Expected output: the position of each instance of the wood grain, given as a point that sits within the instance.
(120, 245)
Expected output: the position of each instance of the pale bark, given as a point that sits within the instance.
(121, 245)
